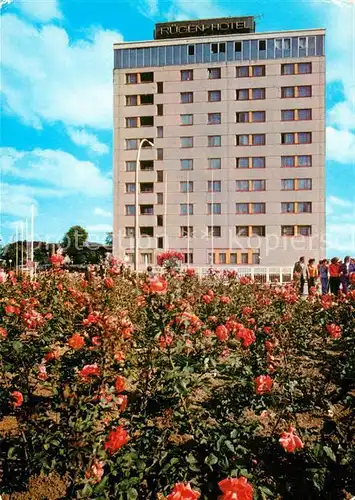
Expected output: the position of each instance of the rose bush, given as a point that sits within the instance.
(176, 387)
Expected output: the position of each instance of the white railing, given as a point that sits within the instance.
(261, 274)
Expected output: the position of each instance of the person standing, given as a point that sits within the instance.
(344, 274)
(334, 276)
(323, 273)
(352, 273)
(312, 274)
(299, 270)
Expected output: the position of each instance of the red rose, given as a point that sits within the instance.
(17, 398)
(236, 488)
(122, 402)
(207, 299)
(263, 384)
(89, 371)
(222, 333)
(10, 309)
(108, 282)
(158, 285)
(246, 311)
(56, 260)
(267, 330)
(96, 471)
(225, 300)
(120, 384)
(3, 333)
(183, 492)
(334, 331)
(290, 441)
(116, 439)
(76, 341)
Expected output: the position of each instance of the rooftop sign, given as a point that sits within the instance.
(205, 27)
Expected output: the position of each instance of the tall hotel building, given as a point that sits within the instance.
(233, 172)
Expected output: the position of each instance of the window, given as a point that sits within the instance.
(186, 75)
(214, 95)
(160, 242)
(305, 114)
(304, 184)
(288, 208)
(160, 109)
(242, 140)
(304, 160)
(214, 141)
(288, 184)
(305, 91)
(258, 185)
(186, 120)
(186, 231)
(302, 42)
(287, 92)
(147, 121)
(147, 231)
(257, 208)
(160, 221)
(147, 258)
(287, 115)
(160, 154)
(214, 163)
(160, 132)
(214, 73)
(186, 209)
(242, 71)
(287, 69)
(130, 187)
(131, 100)
(191, 50)
(242, 162)
(214, 48)
(241, 208)
(242, 185)
(147, 77)
(304, 68)
(304, 207)
(258, 116)
(242, 94)
(147, 209)
(258, 162)
(258, 231)
(188, 258)
(186, 187)
(222, 47)
(131, 143)
(146, 187)
(214, 231)
(304, 137)
(214, 186)
(214, 208)
(262, 44)
(287, 230)
(214, 118)
(258, 93)
(242, 231)
(242, 117)
(255, 258)
(288, 161)
(288, 138)
(305, 230)
(160, 87)
(130, 232)
(258, 70)
(186, 97)
(222, 258)
(130, 166)
(160, 198)
(130, 209)
(258, 139)
(186, 164)
(186, 142)
(146, 99)
(131, 78)
(160, 176)
(238, 47)
(218, 48)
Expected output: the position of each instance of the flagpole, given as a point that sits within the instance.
(22, 238)
(32, 240)
(188, 219)
(16, 249)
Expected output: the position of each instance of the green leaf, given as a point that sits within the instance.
(102, 485)
(17, 345)
(87, 490)
(11, 453)
(190, 459)
(265, 490)
(230, 446)
(211, 459)
(234, 434)
(330, 453)
(132, 494)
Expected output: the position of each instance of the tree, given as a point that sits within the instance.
(108, 240)
(73, 244)
(8, 252)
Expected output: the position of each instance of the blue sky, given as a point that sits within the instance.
(56, 103)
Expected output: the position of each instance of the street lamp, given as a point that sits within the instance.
(136, 228)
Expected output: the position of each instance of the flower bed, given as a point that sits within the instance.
(176, 387)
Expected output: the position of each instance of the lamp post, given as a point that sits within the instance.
(136, 227)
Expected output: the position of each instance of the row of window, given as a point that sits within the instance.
(239, 257)
(216, 163)
(240, 208)
(215, 141)
(246, 94)
(215, 186)
(216, 118)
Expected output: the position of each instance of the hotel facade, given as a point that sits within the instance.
(233, 168)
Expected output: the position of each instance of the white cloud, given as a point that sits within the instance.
(342, 115)
(102, 212)
(83, 138)
(182, 10)
(149, 8)
(341, 238)
(339, 202)
(56, 168)
(46, 76)
(39, 10)
(100, 228)
(340, 145)
(17, 200)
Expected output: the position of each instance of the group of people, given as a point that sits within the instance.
(333, 275)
